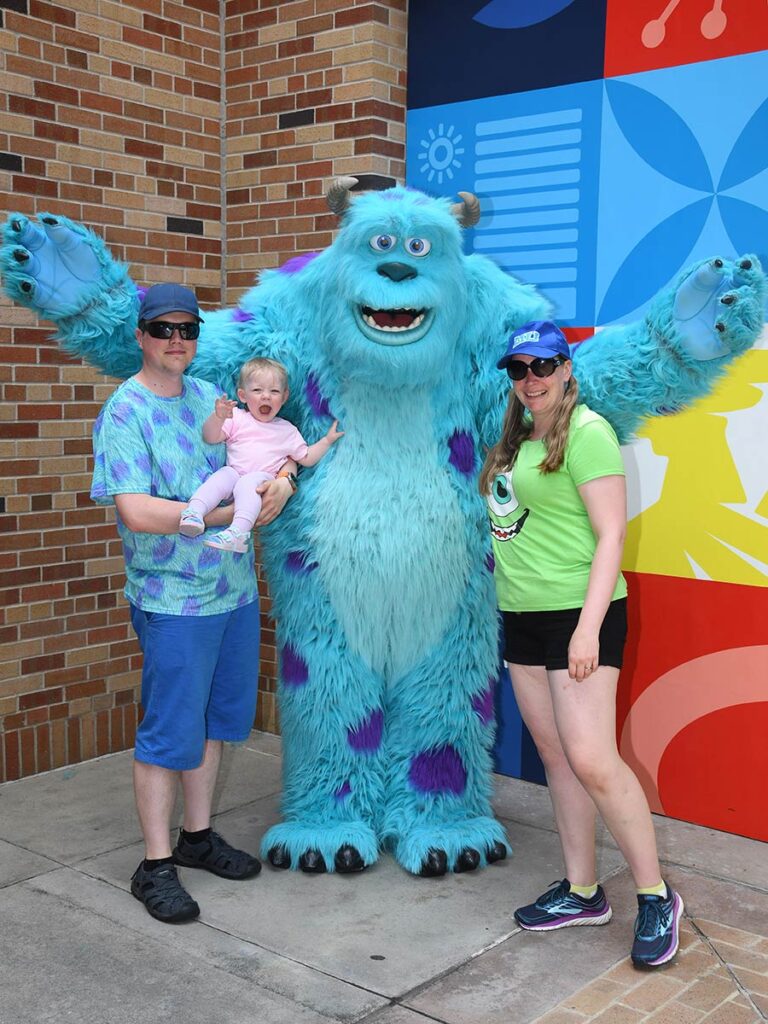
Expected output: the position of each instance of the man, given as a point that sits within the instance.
(196, 614)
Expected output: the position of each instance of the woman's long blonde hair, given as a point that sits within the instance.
(517, 428)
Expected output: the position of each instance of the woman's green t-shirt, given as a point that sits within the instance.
(543, 543)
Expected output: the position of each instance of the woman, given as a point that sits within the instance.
(555, 488)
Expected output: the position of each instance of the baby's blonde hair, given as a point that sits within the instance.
(255, 365)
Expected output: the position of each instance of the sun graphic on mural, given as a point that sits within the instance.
(439, 154)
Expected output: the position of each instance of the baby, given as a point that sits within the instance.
(258, 444)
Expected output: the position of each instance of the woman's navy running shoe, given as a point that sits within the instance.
(561, 908)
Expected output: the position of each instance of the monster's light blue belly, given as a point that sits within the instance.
(389, 533)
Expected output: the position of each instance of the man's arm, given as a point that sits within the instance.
(143, 513)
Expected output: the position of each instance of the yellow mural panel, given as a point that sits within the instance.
(691, 531)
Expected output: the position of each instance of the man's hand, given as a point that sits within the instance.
(274, 496)
(224, 408)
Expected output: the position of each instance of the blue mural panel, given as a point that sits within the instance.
(684, 174)
(533, 160)
(471, 48)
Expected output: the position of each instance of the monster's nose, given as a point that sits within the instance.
(396, 271)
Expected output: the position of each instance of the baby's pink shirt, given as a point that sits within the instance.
(252, 445)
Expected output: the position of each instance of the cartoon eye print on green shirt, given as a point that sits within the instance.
(504, 510)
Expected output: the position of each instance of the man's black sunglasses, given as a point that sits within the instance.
(189, 330)
(517, 370)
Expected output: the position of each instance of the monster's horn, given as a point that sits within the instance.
(338, 196)
(467, 212)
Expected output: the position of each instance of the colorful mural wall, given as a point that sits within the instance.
(612, 144)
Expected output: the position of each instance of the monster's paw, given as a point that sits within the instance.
(718, 307)
(432, 850)
(344, 847)
(58, 267)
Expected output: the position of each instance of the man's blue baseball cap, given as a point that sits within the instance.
(168, 298)
(539, 338)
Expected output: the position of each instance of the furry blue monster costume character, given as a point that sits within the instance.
(380, 567)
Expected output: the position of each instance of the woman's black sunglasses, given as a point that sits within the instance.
(517, 370)
(189, 331)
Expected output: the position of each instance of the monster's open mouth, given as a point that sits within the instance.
(393, 319)
(508, 532)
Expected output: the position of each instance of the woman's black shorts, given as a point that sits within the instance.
(542, 638)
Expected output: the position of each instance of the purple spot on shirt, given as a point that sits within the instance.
(343, 791)
(490, 562)
(209, 557)
(439, 770)
(163, 549)
(160, 417)
(185, 443)
(191, 385)
(222, 586)
(482, 703)
(187, 416)
(462, 455)
(295, 670)
(297, 263)
(121, 412)
(318, 403)
(153, 586)
(240, 316)
(119, 469)
(366, 737)
(298, 563)
(191, 606)
(187, 571)
(168, 469)
(143, 462)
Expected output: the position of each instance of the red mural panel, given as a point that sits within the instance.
(693, 702)
(664, 33)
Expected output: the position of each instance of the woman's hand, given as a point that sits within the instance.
(274, 495)
(583, 655)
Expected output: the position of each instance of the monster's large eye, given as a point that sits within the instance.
(502, 498)
(418, 246)
(382, 243)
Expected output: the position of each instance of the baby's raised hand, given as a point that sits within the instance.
(333, 434)
(223, 408)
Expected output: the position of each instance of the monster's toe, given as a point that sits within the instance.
(279, 857)
(434, 864)
(348, 860)
(468, 860)
(495, 853)
(312, 862)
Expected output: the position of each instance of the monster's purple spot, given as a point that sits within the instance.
(119, 469)
(462, 455)
(439, 770)
(141, 291)
(482, 703)
(222, 586)
(191, 606)
(241, 316)
(295, 670)
(297, 263)
(366, 737)
(490, 562)
(318, 403)
(185, 443)
(343, 791)
(298, 562)
(187, 416)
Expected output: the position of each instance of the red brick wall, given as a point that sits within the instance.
(112, 114)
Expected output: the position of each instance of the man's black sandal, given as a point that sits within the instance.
(163, 895)
(214, 854)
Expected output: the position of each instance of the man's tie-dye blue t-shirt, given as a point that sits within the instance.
(144, 444)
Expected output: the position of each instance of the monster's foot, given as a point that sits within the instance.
(344, 847)
(432, 850)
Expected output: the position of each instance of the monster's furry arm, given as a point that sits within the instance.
(694, 329)
(66, 274)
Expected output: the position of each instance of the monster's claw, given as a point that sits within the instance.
(20, 255)
(434, 864)
(347, 860)
(468, 860)
(717, 263)
(720, 326)
(16, 225)
(496, 852)
(48, 219)
(312, 862)
(728, 299)
(26, 286)
(279, 857)
(746, 264)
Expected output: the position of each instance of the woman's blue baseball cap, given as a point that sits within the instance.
(168, 298)
(539, 338)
